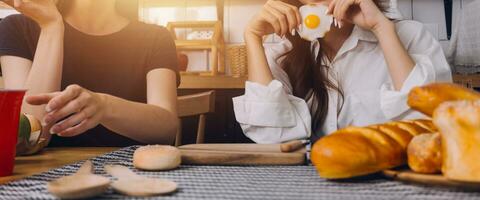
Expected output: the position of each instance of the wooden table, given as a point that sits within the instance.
(52, 158)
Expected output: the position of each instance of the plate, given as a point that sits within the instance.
(408, 175)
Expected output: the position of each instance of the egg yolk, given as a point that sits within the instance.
(312, 21)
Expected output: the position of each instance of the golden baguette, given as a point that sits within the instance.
(426, 99)
(402, 137)
(356, 151)
(426, 124)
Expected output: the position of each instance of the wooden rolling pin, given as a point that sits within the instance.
(292, 146)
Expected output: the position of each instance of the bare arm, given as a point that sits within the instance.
(367, 15)
(259, 71)
(44, 73)
(155, 122)
(275, 17)
(399, 62)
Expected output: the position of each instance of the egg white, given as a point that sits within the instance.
(318, 10)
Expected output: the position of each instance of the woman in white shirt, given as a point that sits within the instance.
(360, 73)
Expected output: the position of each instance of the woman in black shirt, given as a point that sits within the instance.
(91, 72)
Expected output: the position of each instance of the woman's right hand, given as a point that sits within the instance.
(44, 12)
(275, 17)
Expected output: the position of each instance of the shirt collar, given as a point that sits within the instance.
(358, 34)
(362, 34)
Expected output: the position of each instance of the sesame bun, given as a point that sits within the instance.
(156, 157)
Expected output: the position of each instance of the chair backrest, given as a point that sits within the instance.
(469, 81)
(193, 105)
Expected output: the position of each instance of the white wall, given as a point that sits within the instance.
(5, 12)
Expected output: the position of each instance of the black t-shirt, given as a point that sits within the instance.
(114, 64)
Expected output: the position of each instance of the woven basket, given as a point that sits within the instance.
(237, 60)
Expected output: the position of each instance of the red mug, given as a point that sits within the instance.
(10, 106)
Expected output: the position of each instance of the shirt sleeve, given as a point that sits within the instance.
(271, 114)
(164, 52)
(13, 38)
(430, 66)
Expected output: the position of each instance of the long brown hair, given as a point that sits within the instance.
(309, 76)
(126, 8)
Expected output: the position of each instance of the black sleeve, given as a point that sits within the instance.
(164, 52)
(14, 36)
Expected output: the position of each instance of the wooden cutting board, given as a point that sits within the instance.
(428, 179)
(240, 154)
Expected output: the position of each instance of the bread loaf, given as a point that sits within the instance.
(459, 126)
(424, 153)
(427, 98)
(410, 127)
(425, 124)
(356, 151)
(401, 136)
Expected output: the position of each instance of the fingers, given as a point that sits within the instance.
(331, 7)
(73, 120)
(342, 10)
(282, 16)
(331, 10)
(272, 20)
(41, 98)
(70, 93)
(77, 129)
(73, 106)
(291, 12)
(339, 10)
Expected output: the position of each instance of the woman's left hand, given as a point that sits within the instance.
(363, 13)
(72, 111)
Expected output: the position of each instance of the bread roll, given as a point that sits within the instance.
(156, 157)
(424, 153)
(355, 151)
(427, 98)
(459, 126)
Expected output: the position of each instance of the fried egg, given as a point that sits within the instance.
(315, 22)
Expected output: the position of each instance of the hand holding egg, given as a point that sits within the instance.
(275, 17)
(311, 21)
(363, 13)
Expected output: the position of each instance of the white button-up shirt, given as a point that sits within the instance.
(271, 114)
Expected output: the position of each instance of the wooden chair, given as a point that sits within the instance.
(192, 105)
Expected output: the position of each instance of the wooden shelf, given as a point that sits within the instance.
(212, 82)
(4, 6)
(470, 80)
